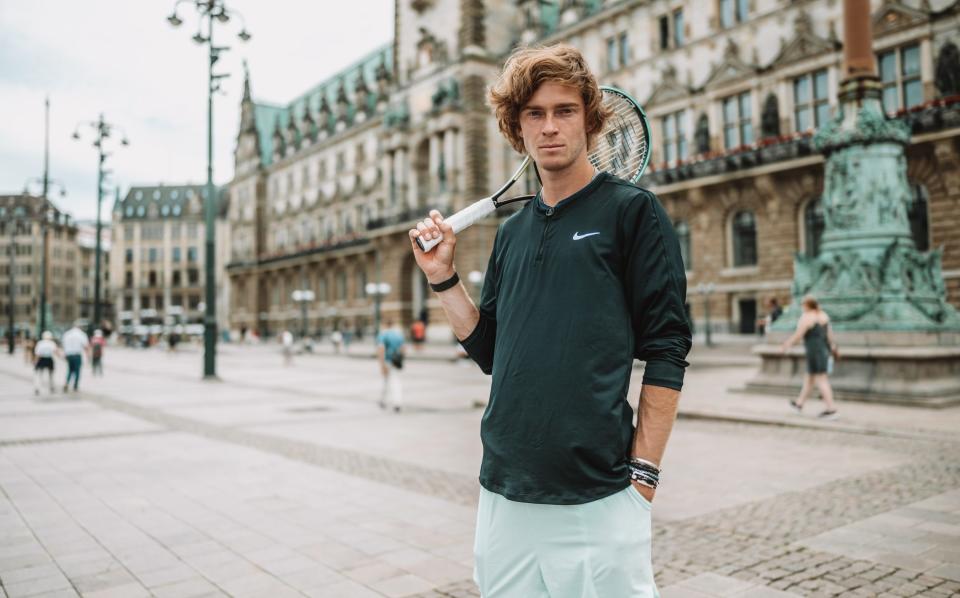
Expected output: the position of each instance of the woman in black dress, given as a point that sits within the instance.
(814, 329)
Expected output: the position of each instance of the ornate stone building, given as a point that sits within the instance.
(157, 270)
(327, 185)
(21, 229)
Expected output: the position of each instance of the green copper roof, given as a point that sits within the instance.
(170, 201)
(268, 116)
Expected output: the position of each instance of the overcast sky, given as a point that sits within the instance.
(122, 58)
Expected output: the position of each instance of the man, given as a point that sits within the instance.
(583, 279)
(75, 344)
(390, 355)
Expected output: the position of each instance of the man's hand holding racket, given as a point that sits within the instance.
(437, 265)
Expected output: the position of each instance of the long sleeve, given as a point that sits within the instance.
(656, 287)
(480, 344)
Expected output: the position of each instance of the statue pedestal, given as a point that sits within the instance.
(906, 368)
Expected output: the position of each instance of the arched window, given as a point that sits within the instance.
(683, 236)
(744, 233)
(813, 227)
(919, 225)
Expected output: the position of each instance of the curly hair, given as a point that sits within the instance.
(526, 69)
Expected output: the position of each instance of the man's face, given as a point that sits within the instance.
(553, 126)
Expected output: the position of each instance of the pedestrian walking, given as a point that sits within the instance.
(336, 337)
(390, 354)
(74, 344)
(97, 345)
(286, 339)
(821, 348)
(29, 357)
(583, 279)
(43, 361)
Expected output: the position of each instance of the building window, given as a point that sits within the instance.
(152, 253)
(678, 38)
(341, 286)
(664, 22)
(900, 74)
(128, 280)
(674, 137)
(813, 226)
(191, 254)
(737, 125)
(744, 239)
(176, 278)
(176, 255)
(618, 52)
(193, 277)
(811, 103)
(683, 236)
(322, 295)
(733, 12)
(361, 281)
(128, 256)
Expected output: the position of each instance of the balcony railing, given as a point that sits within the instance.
(931, 116)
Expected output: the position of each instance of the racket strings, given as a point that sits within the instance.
(622, 144)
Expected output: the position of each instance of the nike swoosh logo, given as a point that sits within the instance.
(578, 236)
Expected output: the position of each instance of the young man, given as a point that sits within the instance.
(75, 343)
(582, 280)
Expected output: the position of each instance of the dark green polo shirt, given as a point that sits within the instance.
(572, 295)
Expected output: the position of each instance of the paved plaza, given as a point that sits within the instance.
(290, 481)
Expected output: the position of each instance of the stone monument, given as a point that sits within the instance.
(899, 339)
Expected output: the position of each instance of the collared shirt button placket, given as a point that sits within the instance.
(543, 237)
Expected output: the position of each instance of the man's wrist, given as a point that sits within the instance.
(446, 284)
(442, 276)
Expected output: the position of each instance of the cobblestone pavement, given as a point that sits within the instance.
(161, 485)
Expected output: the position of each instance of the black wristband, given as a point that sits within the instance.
(446, 284)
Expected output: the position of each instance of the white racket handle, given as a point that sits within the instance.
(463, 219)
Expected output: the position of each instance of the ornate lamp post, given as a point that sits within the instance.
(303, 297)
(377, 290)
(102, 131)
(210, 12)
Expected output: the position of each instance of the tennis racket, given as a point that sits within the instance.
(622, 148)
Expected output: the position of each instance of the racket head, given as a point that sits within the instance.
(622, 147)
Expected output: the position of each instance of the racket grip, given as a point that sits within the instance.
(462, 220)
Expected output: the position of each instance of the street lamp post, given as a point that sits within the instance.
(377, 290)
(45, 182)
(103, 130)
(11, 305)
(705, 290)
(210, 10)
(48, 214)
(303, 297)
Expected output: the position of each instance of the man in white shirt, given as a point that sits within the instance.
(75, 344)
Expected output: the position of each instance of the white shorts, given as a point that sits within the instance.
(600, 549)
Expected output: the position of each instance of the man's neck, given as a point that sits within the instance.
(561, 184)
